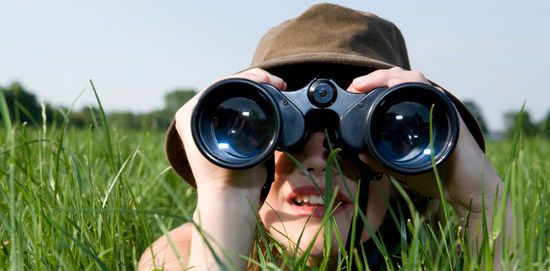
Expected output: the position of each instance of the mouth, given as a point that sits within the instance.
(308, 201)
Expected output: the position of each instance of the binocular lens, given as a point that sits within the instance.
(241, 128)
(399, 129)
(236, 124)
(404, 135)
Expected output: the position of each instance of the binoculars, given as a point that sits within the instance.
(238, 123)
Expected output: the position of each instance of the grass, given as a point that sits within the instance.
(89, 199)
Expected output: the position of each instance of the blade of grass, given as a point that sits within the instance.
(4, 110)
(106, 131)
(117, 177)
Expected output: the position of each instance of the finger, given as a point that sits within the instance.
(395, 81)
(262, 77)
(386, 78)
(376, 79)
(367, 83)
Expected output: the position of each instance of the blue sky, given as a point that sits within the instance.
(496, 53)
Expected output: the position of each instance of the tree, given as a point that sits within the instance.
(527, 126)
(476, 111)
(22, 105)
(544, 126)
(175, 99)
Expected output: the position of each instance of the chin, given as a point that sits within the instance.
(316, 255)
(310, 237)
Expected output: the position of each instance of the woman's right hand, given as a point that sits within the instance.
(224, 216)
(210, 178)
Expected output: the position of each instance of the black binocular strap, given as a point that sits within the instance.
(359, 225)
(270, 171)
(374, 257)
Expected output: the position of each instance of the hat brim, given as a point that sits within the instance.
(323, 58)
(175, 152)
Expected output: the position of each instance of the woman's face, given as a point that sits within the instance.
(294, 210)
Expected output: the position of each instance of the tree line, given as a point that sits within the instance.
(23, 107)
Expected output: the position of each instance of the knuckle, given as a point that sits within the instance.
(257, 70)
(417, 74)
(181, 113)
(185, 110)
(268, 78)
(375, 74)
(253, 76)
(262, 78)
(394, 81)
(381, 71)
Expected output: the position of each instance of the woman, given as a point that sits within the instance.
(358, 50)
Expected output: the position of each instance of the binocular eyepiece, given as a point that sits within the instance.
(238, 123)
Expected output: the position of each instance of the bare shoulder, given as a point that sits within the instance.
(162, 255)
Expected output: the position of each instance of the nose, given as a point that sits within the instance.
(314, 159)
(315, 154)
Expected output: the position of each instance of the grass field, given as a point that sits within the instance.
(95, 198)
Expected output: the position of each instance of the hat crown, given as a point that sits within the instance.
(329, 33)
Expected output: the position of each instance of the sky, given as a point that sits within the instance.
(496, 53)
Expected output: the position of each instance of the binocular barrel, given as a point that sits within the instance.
(238, 123)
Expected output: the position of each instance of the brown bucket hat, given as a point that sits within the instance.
(326, 34)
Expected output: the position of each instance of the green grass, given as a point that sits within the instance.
(95, 198)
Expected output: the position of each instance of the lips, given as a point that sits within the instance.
(308, 201)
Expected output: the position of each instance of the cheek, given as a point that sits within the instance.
(283, 164)
(274, 201)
